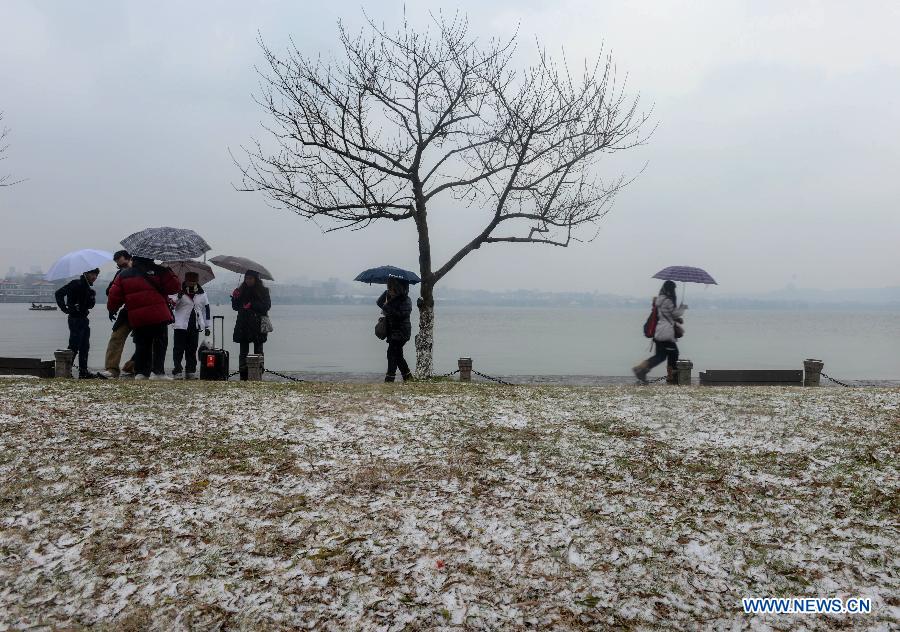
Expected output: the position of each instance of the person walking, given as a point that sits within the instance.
(252, 302)
(76, 299)
(121, 328)
(396, 307)
(191, 317)
(144, 290)
(668, 329)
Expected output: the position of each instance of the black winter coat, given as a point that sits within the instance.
(247, 323)
(76, 298)
(396, 316)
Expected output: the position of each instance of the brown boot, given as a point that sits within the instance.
(670, 375)
(640, 372)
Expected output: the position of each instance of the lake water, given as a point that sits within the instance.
(507, 341)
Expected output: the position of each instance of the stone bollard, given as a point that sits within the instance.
(683, 372)
(255, 367)
(465, 369)
(812, 370)
(64, 359)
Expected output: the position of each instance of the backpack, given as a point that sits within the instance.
(650, 323)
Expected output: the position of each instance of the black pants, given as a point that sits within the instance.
(184, 345)
(150, 344)
(242, 355)
(664, 351)
(80, 340)
(396, 360)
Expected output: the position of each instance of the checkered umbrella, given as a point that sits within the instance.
(685, 274)
(165, 242)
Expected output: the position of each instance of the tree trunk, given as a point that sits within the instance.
(425, 337)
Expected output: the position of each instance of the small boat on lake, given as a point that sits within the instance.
(41, 307)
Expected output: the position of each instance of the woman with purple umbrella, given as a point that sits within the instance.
(667, 319)
(668, 329)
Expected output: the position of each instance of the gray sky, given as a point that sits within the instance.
(776, 159)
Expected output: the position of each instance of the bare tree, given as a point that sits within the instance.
(5, 180)
(409, 116)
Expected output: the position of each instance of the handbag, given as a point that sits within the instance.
(381, 328)
(265, 324)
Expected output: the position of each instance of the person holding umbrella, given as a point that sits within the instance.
(396, 307)
(252, 303)
(76, 299)
(144, 290)
(667, 326)
(191, 317)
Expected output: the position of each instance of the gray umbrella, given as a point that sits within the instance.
(241, 265)
(165, 242)
(204, 273)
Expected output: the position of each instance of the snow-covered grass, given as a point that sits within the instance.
(423, 506)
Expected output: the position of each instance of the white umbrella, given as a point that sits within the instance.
(204, 272)
(77, 263)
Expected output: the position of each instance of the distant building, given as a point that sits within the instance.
(31, 288)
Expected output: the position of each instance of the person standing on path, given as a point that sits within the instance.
(144, 290)
(668, 329)
(396, 306)
(191, 317)
(251, 301)
(76, 299)
(121, 328)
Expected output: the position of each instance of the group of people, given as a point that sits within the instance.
(143, 300)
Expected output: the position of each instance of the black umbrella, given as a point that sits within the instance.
(382, 274)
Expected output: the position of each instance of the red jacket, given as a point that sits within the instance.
(145, 295)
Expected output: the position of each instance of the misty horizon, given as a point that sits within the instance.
(123, 116)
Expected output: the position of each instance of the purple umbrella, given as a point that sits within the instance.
(685, 274)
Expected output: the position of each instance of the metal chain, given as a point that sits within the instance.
(828, 377)
(499, 381)
(287, 377)
(495, 379)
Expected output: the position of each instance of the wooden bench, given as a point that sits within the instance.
(764, 377)
(27, 366)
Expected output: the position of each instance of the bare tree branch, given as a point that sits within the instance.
(5, 179)
(404, 117)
